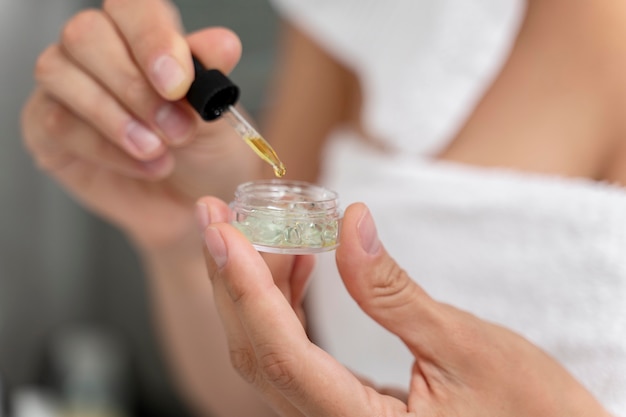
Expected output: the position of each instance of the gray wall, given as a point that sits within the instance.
(59, 266)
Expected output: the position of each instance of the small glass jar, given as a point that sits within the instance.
(283, 216)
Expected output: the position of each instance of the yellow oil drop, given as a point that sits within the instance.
(267, 153)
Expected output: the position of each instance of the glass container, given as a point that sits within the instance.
(291, 217)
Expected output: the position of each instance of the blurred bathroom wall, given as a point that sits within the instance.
(62, 271)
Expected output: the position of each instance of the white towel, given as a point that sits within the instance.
(541, 255)
(422, 64)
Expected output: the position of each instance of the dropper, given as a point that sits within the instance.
(213, 94)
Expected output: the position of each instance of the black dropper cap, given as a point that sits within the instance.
(211, 92)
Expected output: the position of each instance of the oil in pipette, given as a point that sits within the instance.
(259, 145)
(265, 151)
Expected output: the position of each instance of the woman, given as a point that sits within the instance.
(474, 135)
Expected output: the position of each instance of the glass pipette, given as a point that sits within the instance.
(254, 140)
(213, 94)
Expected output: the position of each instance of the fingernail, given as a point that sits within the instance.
(202, 215)
(368, 234)
(216, 246)
(167, 73)
(174, 122)
(144, 142)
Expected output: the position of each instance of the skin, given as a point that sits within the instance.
(91, 86)
(463, 365)
(105, 80)
(554, 108)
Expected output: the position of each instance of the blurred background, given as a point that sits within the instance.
(75, 321)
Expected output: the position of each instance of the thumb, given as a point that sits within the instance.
(216, 47)
(381, 287)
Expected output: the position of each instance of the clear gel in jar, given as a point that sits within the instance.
(291, 217)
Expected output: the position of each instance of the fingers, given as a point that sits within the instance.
(269, 345)
(90, 101)
(115, 80)
(270, 349)
(153, 32)
(291, 275)
(217, 48)
(60, 132)
(93, 42)
(299, 278)
(210, 210)
(382, 288)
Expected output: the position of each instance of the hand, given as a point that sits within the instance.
(463, 365)
(290, 272)
(109, 121)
